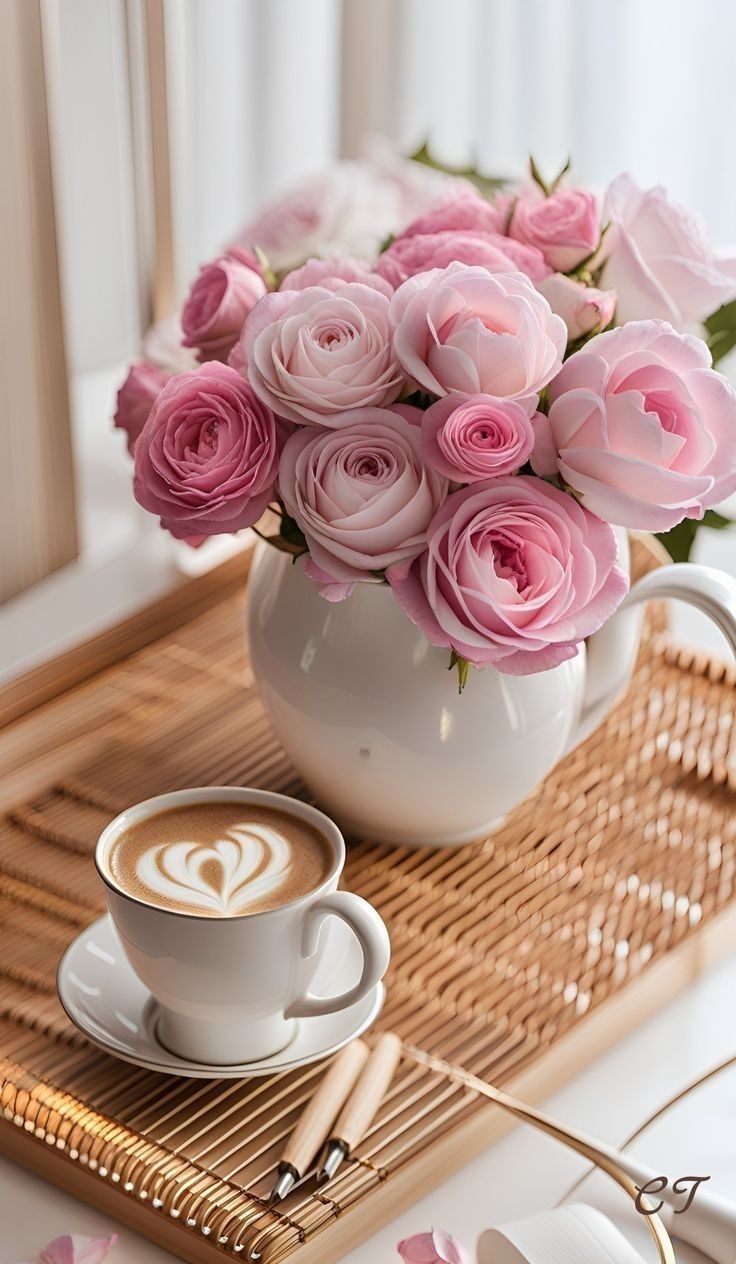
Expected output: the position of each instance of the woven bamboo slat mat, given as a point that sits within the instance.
(517, 958)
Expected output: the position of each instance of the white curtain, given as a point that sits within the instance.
(259, 89)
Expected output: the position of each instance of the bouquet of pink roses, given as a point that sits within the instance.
(465, 416)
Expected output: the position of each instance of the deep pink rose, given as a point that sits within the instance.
(311, 354)
(73, 1248)
(565, 226)
(362, 495)
(473, 437)
(332, 274)
(409, 255)
(465, 210)
(516, 574)
(461, 329)
(582, 307)
(207, 458)
(219, 301)
(136, 398)
(659, 259)
(436, 1247)
(641, 427)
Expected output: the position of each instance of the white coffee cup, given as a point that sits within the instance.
(230, 989)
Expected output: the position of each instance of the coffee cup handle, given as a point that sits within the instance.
(372, 936)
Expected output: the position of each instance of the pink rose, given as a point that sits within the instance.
(516, 574)
(473, 437)
(332, 274)
(436, 1247)
(565, 226)
(362, 495)
(312, 354)
(641, 427)
(218, 303)
(461, 329)
(136, 398)
(659, 259)
(347, 209)
(467, 211)
(407, 256)
(207, 458)
(582, 307)
(72, 1248)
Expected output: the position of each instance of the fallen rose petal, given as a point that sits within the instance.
(436, 1247)
(73, 1248)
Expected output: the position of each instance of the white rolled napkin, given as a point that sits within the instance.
(573, 1234)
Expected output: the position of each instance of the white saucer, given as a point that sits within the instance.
(108, 1003)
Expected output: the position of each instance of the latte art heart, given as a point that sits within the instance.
(226, 877)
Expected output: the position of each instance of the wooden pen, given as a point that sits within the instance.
(360, 1109)
(315, 1124)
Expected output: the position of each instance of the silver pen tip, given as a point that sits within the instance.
(336, 1152)
(286, 1179)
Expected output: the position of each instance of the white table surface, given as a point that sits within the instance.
(522, 1173)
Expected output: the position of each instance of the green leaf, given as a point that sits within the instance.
(561, 175)
(537, 177)
(721, 329)
(680, 540)
(463, 667)
(289, 538)
(292, 535)
(419, 399)
(716, 521)
(485, 184)
(581, 272)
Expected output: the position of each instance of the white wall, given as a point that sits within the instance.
(647, 85)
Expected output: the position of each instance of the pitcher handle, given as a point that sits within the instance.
(709, 590)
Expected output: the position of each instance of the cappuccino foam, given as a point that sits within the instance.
(219, 859)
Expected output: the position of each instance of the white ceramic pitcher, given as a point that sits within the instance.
(371, 717)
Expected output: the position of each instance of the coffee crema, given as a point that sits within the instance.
(219, 859)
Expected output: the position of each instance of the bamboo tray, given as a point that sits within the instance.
(519, 958)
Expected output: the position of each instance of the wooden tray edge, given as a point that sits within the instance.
(655, 987)
(186, 600)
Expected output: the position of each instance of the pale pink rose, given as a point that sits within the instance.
(332, 274)
(347, 209)
(436, 1247)
(162, 346)
(136, 398)
(473, 437)
(659, 259)
(516, 574)
(407, 256)
(565, 226)
(641, 427)
(582, 307)
(362, 495)
(311, 354)
(463, 329)
(207, 458)
(418, 187)
(72, 1248)
(465, 210)
(219, 301)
